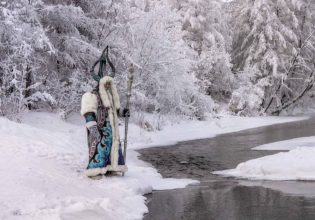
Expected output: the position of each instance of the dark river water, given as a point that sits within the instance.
(218, 197)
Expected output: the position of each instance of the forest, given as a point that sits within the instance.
(191, 57)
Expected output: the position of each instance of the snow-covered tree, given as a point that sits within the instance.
(297, 86)
(78, 29)
(206, 31)
(24, 46)
(155, 46)
(62, 39)
(266, 39)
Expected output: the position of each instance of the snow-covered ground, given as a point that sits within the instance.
(193, 130)
(42, 159)
(296, 164)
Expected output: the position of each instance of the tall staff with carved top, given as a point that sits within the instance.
(129, 87)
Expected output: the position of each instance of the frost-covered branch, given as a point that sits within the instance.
(307, 88)
(291, 68)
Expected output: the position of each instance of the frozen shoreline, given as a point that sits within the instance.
(43, 159)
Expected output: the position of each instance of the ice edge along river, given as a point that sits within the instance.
(296, 164)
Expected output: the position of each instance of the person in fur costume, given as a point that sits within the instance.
(101, 109)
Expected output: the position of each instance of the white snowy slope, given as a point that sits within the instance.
(297, 164)
(42, 159)
(41, 164)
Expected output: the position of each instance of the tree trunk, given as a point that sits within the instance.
(28, 83)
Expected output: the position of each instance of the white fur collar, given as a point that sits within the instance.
(110, 100)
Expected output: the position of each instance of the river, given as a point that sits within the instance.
(217, 197)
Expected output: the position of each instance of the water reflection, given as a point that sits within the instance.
(222, 200)
(294, 188)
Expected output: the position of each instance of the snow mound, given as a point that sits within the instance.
(288, 144)
(297, 164)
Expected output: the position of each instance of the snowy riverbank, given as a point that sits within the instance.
(42, 160)
(296, 164)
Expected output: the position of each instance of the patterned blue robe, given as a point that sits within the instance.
(100, 140)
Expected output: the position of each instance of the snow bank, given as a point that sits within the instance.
(297, 164)
(41, 164)
(192, 130)
(288, 144)
(42, 160)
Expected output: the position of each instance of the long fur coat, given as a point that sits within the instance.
(105, 152)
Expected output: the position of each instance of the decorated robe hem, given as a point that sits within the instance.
(99, 171)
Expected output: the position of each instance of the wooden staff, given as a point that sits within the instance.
(129, 86)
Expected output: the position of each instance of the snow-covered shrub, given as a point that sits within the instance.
(71, 90)
(248, 98)
(149, 122)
